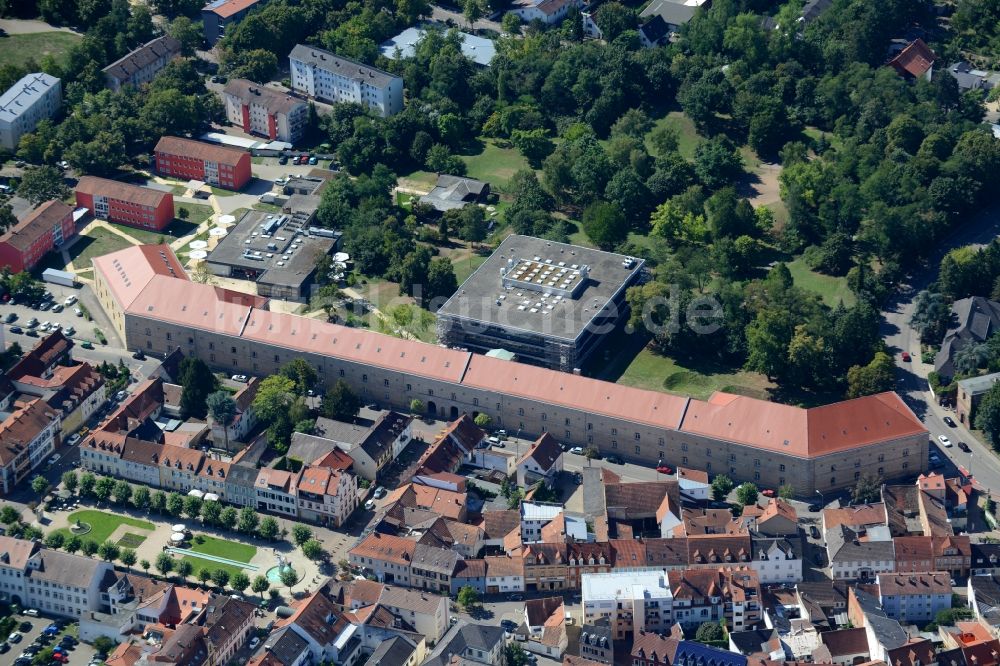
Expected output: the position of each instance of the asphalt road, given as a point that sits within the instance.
(911, 379)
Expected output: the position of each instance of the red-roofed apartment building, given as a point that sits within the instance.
(219, 14)
(132, 205)
(46, 227)
(327, 496)
(196, 160)
(27, 438)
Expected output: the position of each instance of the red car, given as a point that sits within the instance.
(60, 657)
(767, 493)
(906, 357)
(663, 469)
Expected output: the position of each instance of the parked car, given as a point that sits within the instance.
(78, 312)
(578, 478)
(964, 447)
(508, 625)
(70, 331)
(73, 439)
(615, 460)
(949, 421)
(312, 160)
(121, 395)
(52, 461)
(254, 642)
(45, 305)
(370, 505)
(576, 450)
(31, 612)
(87, 344)
(379, 492)
(4, 647)
(815, 508)
(906, 357)
(138, 355)
(11, 316)
(663, 469)
(15, 636)
(32, 323)
(16, 329)
(70, 300)
(57, 307)
(945, 442)
(517, 596)
(767, 492)
(814, 532)
(282, 160)
(243, 379)
(32, 333)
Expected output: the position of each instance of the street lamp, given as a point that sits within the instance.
(822, 498)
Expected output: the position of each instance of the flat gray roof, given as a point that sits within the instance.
(24, 94)
(477, 49)
(285, 256)
(483, 298)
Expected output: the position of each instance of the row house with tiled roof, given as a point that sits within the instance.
(27, 438)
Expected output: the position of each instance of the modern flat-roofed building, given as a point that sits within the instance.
(278, 251)
(549, 303)
(47, 227)
(265, 111)
(141, 65)
(630, 600)
(196, 160)
(132, 205)
(33, 98)
(218, 15)
(331, 78)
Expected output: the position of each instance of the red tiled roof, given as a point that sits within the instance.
(916, 59)
(227, 9)
(175, 145)
(143, 196)
(18, 429)
(36, 224)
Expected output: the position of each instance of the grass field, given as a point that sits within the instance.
(96, 242)
(231, 550)
(198, 564)
(650, 370)
(688, 135)
(833, 290)
(418, 180)
(131, 540)
(197, 213)
(102, 524)
(174, 230)
(494, 164)
(15, 48)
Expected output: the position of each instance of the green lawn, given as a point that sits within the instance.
(102, 524)
(145, 236)
(221, 191)
(197, 213)
(833, 290)
(689, 137)
(494, 164)
(464, 267)
(95, 243)
(650, 370)
(15, 48)
(200, 564)
(231, 550)
(131, 540)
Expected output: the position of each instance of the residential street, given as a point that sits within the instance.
(912, 378)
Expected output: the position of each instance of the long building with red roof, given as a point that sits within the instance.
(133, 205)
(188, 159)
(822, 448)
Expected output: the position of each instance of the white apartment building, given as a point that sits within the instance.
(34, 98)
(331, 78)
(776, 560)
(631, 600)
(51, 581)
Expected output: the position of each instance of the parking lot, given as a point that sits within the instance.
(31, 638)
(17, 319)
